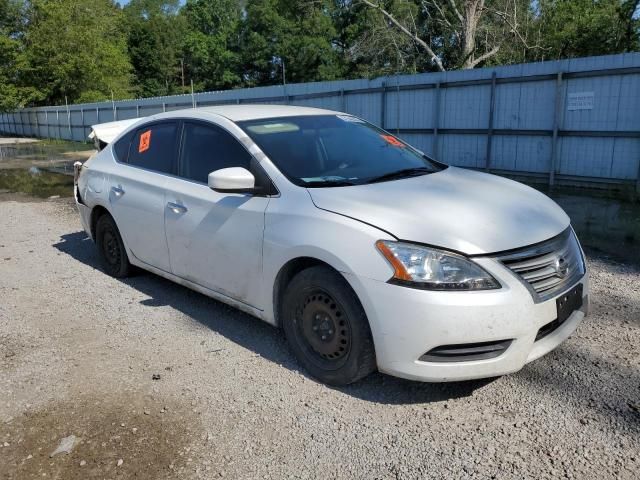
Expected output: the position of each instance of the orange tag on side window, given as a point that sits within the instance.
(391, 140)
(145, 141)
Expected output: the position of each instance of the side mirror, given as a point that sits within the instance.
(232, 180)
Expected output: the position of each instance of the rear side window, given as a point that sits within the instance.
(153, 147)
(121, 147)
(207, 148)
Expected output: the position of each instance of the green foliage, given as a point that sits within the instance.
(154, 40)
(298, 33)
(76, 49)
(211, 43)
(87, 49)
(577, 28)
(12, 61)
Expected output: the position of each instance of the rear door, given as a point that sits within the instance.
(215, 239)
(137, 190)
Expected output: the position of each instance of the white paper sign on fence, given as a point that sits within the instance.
(580, 101)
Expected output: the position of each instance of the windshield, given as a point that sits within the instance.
(335, 150)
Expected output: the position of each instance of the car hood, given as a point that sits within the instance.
(470, 212)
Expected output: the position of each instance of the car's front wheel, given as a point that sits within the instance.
(111, 249)
(327, 327)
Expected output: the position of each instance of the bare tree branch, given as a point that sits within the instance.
(454, 7)
(483, 57)
(406, 31)
(515, 30)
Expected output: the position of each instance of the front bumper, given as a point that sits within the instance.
(406, 323)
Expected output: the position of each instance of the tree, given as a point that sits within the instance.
(371, 45)
(293, 38)
(76, 49)
(154, 41)
(577, 28)
(211, 43)
(12, 60)
(458, 33)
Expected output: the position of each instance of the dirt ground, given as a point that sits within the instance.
(157, 381)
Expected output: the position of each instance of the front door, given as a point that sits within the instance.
(214, 239)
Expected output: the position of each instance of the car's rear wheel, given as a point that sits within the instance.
(113, 255)
(327, 328)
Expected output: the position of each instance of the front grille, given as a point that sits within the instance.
(466, 352)
(548, 268)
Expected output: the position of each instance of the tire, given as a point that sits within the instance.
(327, 328)
(113, 255)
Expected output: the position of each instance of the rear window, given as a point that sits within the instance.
(154, 147)
(121, 147)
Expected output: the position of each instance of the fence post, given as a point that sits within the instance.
(397, 105)
(383, 104)
(68, 118)
(97, 114)
(638, 179)
(436, 121)
(556, 125)
(84, 127)
(343, 101)
(58, 124)
(137, 111)
(492, 102)
(37, 125)
(46, 120)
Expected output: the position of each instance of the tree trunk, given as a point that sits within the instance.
(470, 19)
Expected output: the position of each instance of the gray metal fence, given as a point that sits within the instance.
(571, 120)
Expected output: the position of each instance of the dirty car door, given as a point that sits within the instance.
(215, 239)
(137, 191)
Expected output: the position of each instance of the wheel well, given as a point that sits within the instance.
(285, 275)
(96, 213)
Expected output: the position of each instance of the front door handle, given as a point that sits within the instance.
(117, 191)
(176, 208)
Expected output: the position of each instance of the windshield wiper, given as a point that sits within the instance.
(329, 183)
(404, 173)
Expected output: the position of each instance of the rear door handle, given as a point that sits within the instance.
(117, 191)
(176, 208)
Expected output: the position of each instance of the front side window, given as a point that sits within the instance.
(154, 146)
(336, 150)
(206, 148)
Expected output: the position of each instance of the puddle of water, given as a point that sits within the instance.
(40, 169)
(58, 156)
(606, 224)
(36, 182)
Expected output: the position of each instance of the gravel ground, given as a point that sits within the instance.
(79, 352)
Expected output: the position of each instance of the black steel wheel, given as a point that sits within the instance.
(111, 249)
(327, 328)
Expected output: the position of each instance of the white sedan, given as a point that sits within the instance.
(368, 253)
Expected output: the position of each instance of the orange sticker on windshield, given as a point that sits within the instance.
(145, 141)
(391, 140)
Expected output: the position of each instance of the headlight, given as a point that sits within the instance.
(433, 269)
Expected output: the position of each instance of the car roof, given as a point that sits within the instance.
(239, 113)
(107, 132)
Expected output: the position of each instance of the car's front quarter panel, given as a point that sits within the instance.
(295, 228)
